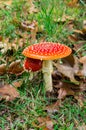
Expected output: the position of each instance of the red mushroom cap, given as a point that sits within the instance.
(32, 64)
(47, 51)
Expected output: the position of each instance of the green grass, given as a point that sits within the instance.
(23, 112)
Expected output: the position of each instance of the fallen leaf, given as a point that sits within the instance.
(69, 67)
(7, 2)
(67, 71)
(34, 32)
(84, 25)
(26, 25)
(70, 25)
(83, 61)
(17, 84)
(2, 69)
(61, 84)
(81, 33)
(73, 38)
(82, 127)
(64, 91)
(45, 123)
(16, 68)
(78, 46)
(32, 8)
(83, 30)
(73, 3)
(8, 92)
(65, 18)
(53, 107)
(32, 27)
(69, 60)
(83, 86)
(1, 38)
(4, 47)
(78, 31)
(80, 99)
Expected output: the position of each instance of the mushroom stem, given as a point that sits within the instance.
(31, 75)
(47, 70)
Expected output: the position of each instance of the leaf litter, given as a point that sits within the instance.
(69, 75)
(8, 92)
(69, 68)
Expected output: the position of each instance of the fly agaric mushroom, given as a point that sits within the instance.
(46, 52)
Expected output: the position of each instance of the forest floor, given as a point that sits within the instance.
(24, 104)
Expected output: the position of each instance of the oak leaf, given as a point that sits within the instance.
(16, 68)
(67, 71)
(8, 92)
(53, 107)
(17, 84)
(64, 91)
(83, 61)
(2, 69)
(73, 3)
(45, 123)
(80, 98)
(68, 68)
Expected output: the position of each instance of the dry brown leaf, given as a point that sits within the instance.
(2, 69)
(83, 61)
(65, 18)
(84, 25)
(62, 84)
(34, 32)
(83, 30)
(83, 87)
(7, 2)
(69, 60)
(64, 91)
(45, 123)
(19, 42)
(4, 46)
(32, 8)
(1, 38)
(80, 99)
(17, 84)
(78, 31)
(69, 67)
(53, 107)
(16, 68)
(8, 92)
(67, 71)
(72, 38)
(79, 45)
(73, 3)
(32, 27)
(26, 25)
(83, 127)
(70, 25)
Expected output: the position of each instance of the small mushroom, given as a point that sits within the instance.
(46, 52)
